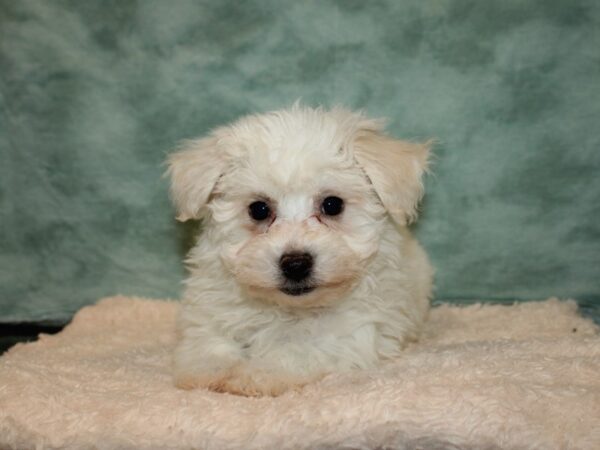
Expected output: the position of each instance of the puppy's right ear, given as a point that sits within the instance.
(194, 171)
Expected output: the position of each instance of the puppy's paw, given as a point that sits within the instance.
(234, 376)
(243, 380)
(250, 381)
(209, 374)
(189, 381)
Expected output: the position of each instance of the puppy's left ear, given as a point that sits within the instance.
(194, 171)
(395, 168)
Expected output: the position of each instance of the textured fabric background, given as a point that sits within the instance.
(93, 94)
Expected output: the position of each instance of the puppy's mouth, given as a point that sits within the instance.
(296, 291)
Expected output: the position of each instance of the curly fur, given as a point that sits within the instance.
(239, 332)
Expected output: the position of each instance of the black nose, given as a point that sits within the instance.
(296, 266)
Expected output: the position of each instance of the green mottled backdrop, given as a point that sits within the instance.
(94, 93)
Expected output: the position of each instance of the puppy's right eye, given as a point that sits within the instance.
(259, 211)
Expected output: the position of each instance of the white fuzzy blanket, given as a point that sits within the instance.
(521, 376)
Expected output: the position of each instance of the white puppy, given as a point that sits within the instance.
(305, 266)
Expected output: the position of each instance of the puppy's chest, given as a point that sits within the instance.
(311, 332)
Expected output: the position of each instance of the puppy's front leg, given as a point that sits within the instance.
(218, 365)
(253, 379)
(289, 366)
(205, 361)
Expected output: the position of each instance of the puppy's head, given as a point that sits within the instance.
(294, 201)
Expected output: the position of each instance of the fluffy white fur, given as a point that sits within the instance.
(238, 331)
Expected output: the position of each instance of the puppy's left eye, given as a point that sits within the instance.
(332, 206)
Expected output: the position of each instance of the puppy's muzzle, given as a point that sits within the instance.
(296, 266)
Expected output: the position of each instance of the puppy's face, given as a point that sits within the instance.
(295, 201)
(296, 224)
